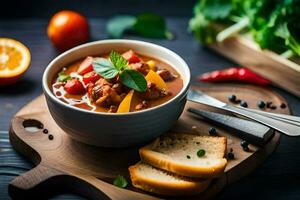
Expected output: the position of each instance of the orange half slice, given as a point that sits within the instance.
(14, 60)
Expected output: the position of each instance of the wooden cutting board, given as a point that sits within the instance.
(65, 165)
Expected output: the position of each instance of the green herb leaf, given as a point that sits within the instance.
(216, 9)
(134, 80)
(120, 181)
(63, 77)
(200, 152)
(151, 25)
(119, 24)
(117, 59)
(105, 68)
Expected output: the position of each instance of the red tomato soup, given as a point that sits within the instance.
(117, 83)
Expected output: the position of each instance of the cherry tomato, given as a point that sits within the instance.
(86, 66)
(90, 77)
(67, 29)
(74, 86)
(131, 57)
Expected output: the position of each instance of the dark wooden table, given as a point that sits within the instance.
(277, 178)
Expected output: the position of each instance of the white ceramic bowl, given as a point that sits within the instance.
(113, 129)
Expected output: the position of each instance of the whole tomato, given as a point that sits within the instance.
(67, 29)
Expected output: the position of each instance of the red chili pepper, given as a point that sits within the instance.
(234, 74)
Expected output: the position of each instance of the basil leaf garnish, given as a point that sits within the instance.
(105, 68)
(118, 60)
(134, 80)
(119, 65)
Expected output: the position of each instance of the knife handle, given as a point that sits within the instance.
(249, 130)
(286, 128)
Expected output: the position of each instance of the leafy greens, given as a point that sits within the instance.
(273, 24)
(146, 25)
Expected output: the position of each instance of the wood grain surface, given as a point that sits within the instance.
(281, 71)
(61, 159)
(277, 178)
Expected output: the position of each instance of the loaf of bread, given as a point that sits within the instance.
(151, 179)
(187, 155)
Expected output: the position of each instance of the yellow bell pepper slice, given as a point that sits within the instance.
(125, 104)
(156, 79)
(151, 64)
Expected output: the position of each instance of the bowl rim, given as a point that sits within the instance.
(48, 92)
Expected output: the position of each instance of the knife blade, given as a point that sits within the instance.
(289, 129)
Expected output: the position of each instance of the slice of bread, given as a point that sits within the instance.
(151, 179)
(177, 153)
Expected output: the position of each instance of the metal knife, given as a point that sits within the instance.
(282, 126)
(251, 131)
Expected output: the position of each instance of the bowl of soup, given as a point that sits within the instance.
(116, 93)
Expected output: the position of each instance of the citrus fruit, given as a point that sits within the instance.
(14, 60)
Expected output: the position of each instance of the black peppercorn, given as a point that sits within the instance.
(230, 155)
(282, 105)
(45, 131)
(244, 104)
(40, 126)
(245, 145)
(269, 103)
(212, 131)
(261, 104)
(50, 137)
(232, 98)
(273, 107)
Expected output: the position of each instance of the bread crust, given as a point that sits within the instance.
(157, 160)
(168, 188)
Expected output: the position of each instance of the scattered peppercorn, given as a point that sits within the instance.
(230, 155)
(273, 107)
(232, 98)
(245, 145)
(40, 126)
(45, 131)
(282, 105)
(231, 150)
(212, 131)
(50, 137)
(200, 152)
(197, 142)
(244, 104)
(269, 103)
(261, 104)
(188, 157)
